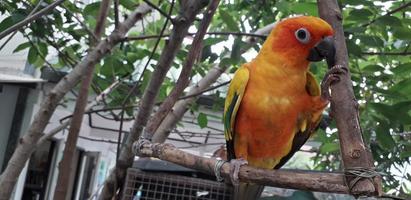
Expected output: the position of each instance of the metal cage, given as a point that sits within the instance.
(143, 185)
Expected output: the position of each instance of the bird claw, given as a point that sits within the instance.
(235, 170)
(332, 76)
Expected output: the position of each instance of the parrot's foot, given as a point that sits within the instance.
(332, 76)
(235, 169)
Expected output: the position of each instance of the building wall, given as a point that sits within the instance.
(8, 99)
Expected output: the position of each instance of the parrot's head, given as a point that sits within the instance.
(300, 40)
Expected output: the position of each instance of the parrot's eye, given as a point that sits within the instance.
(302, 35)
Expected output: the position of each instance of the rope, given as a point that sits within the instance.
(217, 169)
(360, 173)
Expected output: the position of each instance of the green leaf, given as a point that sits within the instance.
(92, 9)
(384, 137)
(306, 8)
(373, 68)
(129, 4)
(388, 21)
(6, 23)
(229, 20)
(22, 46)
(202, 120)
(329, 148)
(402, 33)
(359, 15)
(32, 56)
(402, 69)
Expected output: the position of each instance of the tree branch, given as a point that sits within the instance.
(184, 78)
(189, 10)
(345, 110)
(144, 37)
(388, 13)
(387, 53)
(294, 179)
(29, 141)
(166, 15)
(31, 18)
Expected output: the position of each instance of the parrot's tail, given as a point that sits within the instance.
(248, 191)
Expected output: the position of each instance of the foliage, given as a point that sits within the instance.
(378, 45)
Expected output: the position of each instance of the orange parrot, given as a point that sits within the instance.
(274, 103)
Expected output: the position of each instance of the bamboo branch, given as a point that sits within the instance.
(188, 12)
(29, 141)
(294, 179)
(184, 78)
(345, 110)
(30, 19)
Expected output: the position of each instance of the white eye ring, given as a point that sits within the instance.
(303, 35)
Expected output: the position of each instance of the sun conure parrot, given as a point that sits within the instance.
(274, 103)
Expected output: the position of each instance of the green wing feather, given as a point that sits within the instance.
(232, 103)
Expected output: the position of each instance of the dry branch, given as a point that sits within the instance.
(345, 110)
(29, 141)
(295, 179)
(184, 78)
(30, 19)
(188, 12)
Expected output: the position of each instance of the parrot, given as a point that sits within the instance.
(274, 103)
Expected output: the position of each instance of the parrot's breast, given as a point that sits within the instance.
(267, 117)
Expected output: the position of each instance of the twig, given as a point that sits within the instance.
(387, 53)
(295, 179)
(166, 15)
(184, 78)
(97, 140)
(388, 13)
(144, 37)
(203, 91)
(116, 13)
(33, 17)
(14, 33)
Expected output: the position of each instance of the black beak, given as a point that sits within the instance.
(324, 49)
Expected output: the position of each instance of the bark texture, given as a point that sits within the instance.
(355, 153)
(294, 179)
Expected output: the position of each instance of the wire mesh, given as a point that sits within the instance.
(142, 185)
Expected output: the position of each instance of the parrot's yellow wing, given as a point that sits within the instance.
(306, 123)
(232, 103)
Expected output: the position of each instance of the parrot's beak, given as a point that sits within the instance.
(324, 49)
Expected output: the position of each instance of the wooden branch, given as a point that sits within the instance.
(101, 19)
(181, 106)
(64, 125)
(74, 130)
(29, 141)
(188, 12)
(184, 78)
(295, 179)
(345, 110)
(388, 13)
(30, 19)
(144, 37)
(79, 109)
(164, 14)
(387, 53)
